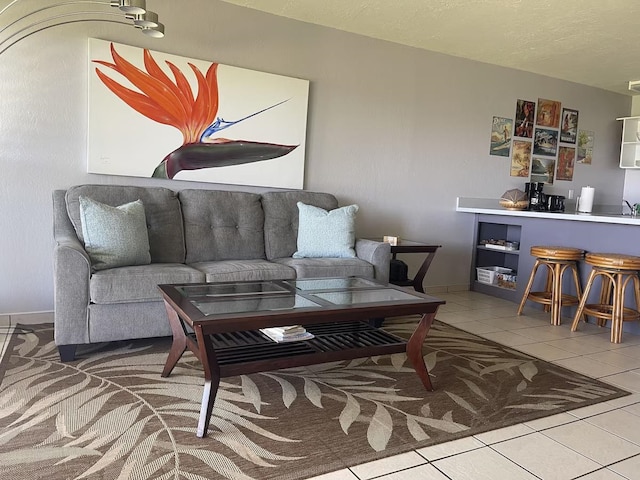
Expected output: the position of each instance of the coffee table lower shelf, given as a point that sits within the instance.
(240, 353)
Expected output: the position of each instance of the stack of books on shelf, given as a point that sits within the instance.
(291, 333)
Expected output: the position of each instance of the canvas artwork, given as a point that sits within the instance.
(542, 169)
(569, 126)
(545, 142)
(548, 113)
(525, 117)
(521, 158)
(157, 115)
(585, 146)
(566, 160)
(501, 131)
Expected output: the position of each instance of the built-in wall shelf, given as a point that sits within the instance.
(630, 147)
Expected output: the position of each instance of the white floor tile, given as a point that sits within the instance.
(447, 449)
(589, 367)
(514, 322)
(338, 475)
(629, 350)
(481, 464)
(628, 468)
(599, 445)
(578, 345)
(628, 381)
(614, 357)
(387, 465)
(423, 472)
(477, 327)
(550, 422)
(544, 351)
(506, 433)
(620, 423)
(603, 474)
(4, 320)
(545, 457)
(507, 338)
(544, 333)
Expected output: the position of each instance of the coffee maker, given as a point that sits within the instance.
(537, 199)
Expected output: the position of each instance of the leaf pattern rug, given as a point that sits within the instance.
(109, 414)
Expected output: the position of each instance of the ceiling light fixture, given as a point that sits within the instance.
(131, 12)
(148, 19)
(137, 7)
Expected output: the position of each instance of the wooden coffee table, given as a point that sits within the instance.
(226, 317)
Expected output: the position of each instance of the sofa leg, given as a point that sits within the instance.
(67, 352)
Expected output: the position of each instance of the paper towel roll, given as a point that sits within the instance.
(586, 199)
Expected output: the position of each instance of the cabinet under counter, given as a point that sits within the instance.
(600, 233)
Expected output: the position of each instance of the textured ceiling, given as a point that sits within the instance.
(591, 42)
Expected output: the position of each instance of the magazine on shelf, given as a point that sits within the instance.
(291, 333)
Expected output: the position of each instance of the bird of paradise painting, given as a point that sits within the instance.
(158, 115)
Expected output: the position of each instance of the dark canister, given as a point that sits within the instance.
(555, 203)
(537, 199)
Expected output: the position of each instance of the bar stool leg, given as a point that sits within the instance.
(617, 314)
(583, 301)
(576, 281)
(556, 293)
(527, 290)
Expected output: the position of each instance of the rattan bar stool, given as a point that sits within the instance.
(557, 260)
(616, 271)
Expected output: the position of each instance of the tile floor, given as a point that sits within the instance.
(600, 442)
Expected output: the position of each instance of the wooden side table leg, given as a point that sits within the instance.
(211, 381)
(414, 349)
(179, 344)
(424, 268)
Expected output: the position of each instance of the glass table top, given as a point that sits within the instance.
(269, 296)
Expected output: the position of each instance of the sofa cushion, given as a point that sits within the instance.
(328, 267)
(114, 236)
(221, 225)
(281, 219)
(162, 211)
(244, 270)
(323, 233)
(138, 283)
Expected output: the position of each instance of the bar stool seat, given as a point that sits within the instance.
(557, 260)
(616, 271)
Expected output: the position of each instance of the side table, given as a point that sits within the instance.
(408, 246)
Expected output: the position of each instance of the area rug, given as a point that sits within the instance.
(109, 414)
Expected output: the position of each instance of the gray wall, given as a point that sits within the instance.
(400, 131)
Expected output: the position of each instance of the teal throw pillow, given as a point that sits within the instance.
(323, 233)
(114, 236)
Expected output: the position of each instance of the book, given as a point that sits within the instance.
(287, 334)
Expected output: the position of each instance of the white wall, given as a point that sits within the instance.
(400, 131)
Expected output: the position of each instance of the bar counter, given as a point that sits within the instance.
(600, 214)
(605, 230)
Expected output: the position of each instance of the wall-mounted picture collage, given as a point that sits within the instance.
(545, 144)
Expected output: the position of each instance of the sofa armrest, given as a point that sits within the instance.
(376, 253)
(71, 274)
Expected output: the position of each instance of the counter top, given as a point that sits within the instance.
(490, 206)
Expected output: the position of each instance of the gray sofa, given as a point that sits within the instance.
(194, 236)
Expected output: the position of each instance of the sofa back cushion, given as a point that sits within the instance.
(161, 207)
(221, 225)
(281, 219)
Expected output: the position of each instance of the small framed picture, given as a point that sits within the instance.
(569, 126)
